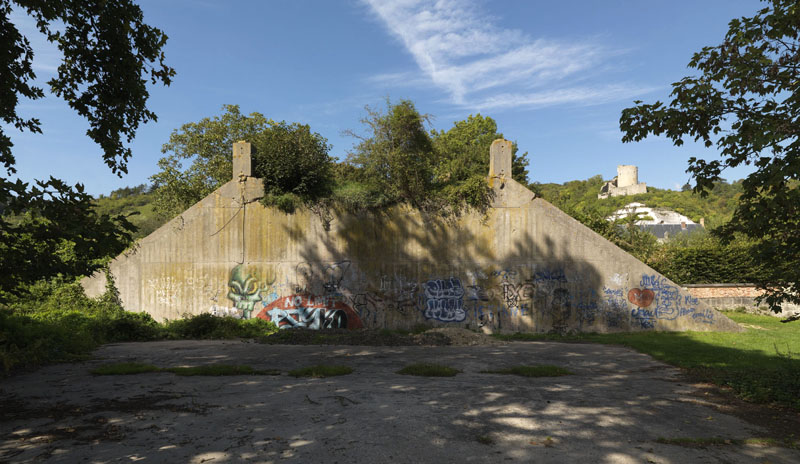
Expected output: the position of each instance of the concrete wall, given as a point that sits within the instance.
(524, 266)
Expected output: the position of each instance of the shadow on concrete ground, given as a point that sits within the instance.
(614, 409)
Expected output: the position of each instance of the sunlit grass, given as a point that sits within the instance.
(761, 364)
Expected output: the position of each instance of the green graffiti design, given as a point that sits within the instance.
(244, 291)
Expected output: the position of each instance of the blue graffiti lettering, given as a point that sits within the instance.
(550, 276)
(644, 317)
(444, 300)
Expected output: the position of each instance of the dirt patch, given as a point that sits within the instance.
(464, 337)
(372, 337)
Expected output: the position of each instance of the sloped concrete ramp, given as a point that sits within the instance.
(613, 409)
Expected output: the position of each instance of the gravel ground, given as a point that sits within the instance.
(618, 406)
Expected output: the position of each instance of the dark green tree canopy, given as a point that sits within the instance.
(463, 150)
(292, 160)
(397, 157)
(746, 103)
(399, 161)
(109, 56)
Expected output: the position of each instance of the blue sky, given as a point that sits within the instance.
(554, 75)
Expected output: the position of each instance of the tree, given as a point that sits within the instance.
(399, 162)
(397, 158)
(208, 144)
(292, 161)
(109, 55)
(746, 102)
(294, 165)
(463, 150)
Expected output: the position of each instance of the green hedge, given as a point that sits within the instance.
(709, 263)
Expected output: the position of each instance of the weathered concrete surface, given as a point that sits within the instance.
(523, 266)
(612, 410)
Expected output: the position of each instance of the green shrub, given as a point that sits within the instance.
(55, 321)
(207, 326)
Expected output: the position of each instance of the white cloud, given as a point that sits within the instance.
(479, 64)
(46, 56)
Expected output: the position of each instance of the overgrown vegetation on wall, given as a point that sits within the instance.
(55, 321)
(397, 160)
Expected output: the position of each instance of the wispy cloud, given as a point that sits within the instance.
(461, 50)
(47, 57)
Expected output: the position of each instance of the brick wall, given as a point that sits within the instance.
(731, 296)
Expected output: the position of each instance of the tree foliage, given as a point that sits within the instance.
(207, 144)
(746, 102)
(294, 165)
(52, 229)
(397, 158)
(399, 161)
(109, 56)
(292, 160)
(136, 204)
(463, 150)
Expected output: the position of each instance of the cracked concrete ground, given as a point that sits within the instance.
(613, 409)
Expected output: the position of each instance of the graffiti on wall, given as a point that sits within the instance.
(250, 293)
(245, 290)
(657, 299)
(615, 307)
(444, 300)
(170, 291)
(310, 312)
(334, 295)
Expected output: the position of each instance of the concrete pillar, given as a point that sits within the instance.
(241, 160)
(500, 158)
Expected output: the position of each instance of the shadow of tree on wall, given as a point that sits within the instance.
(402, 268)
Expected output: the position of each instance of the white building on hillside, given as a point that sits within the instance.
(661, 222)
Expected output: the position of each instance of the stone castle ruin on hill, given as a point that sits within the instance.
(626, 183)
(524, 266)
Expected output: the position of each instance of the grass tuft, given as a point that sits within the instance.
(485, 440)
(542, 370)
(321, 370)
(428, 370)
